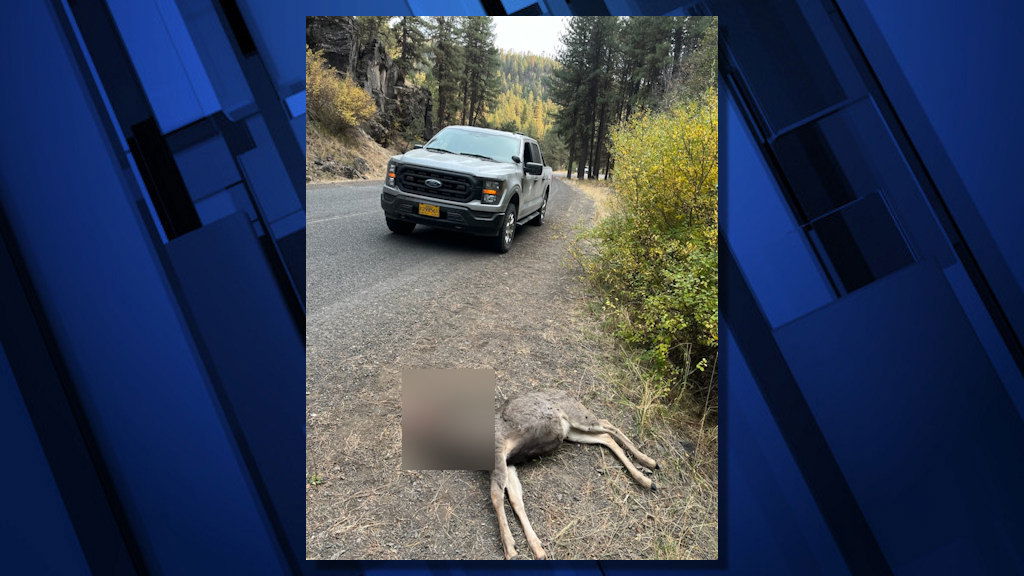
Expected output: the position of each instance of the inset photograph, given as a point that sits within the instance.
(523, 208)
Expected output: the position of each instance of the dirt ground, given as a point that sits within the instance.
(527, 315)
(350, 156)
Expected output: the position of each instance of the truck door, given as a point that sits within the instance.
(531, 184)
(539, 184)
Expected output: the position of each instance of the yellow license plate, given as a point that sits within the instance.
(430, 210)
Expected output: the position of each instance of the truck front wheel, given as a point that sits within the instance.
(503, 241)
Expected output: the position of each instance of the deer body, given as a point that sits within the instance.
(537, 423)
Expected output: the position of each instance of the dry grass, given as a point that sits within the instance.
(580, 499)
(600, 191)
(681, 430)
(348, 155)
(684, 439)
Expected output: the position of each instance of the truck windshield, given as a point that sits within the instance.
(494, 146)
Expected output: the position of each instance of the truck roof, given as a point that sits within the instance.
(493, 131)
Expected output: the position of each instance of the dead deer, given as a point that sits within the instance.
(534, 424)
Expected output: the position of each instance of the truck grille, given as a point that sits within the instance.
(457, 187)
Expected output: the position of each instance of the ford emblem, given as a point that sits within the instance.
(432, 183)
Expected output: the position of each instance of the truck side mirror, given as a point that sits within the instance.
(517, 159)
(534, 168)
(417, 146)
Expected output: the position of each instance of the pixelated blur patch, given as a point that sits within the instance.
(448, 419)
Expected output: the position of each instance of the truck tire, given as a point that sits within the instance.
(400, 227)
(507, 233)
(538, 220)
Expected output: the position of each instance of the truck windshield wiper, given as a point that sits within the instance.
(477, 156)
(442, 150)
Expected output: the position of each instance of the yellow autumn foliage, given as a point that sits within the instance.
(657, 259)
(334, 102)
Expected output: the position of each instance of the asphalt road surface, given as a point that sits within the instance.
(378, 302)
(351, 252)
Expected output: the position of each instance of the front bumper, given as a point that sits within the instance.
(459, 218)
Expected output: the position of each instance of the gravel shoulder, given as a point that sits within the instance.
(378, 302)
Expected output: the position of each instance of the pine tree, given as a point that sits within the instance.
(612, 68)
(647, 61)
(523, 104)
(411, 34)
(479, 88)
(567, 87)
(448, 67)
(694, 55)
(603, 54)
(584, 86)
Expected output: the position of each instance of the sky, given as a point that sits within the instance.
(534, 34)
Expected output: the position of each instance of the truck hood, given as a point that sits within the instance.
(456, 163)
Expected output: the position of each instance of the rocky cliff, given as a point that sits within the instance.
(403, 111)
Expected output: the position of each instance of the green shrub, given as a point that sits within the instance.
(334, 102)
(657, 253)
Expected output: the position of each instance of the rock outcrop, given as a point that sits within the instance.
(403, 111)
(335, 37)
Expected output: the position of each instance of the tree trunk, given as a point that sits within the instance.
(462, 107)
(571, 148)
(594, 145)
(474, 108)
(599, 143)
(442, 102)
(584, 156)
(400, 68)
(677, 49)
(586, 147)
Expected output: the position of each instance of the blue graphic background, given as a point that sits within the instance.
(152, 259)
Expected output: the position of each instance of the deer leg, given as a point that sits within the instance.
(609, 442)
(628, 444)
(515, 496)
(498, 483)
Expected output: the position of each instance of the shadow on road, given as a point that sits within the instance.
(436, 238)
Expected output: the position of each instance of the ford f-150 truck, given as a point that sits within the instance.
(475, 180)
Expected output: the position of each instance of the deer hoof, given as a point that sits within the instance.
(654, 487)
(511, 554)
(657, 465)
(542, 556)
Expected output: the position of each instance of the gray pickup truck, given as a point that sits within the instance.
(474, 180)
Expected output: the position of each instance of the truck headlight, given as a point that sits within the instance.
(491, 192)
(390, 181)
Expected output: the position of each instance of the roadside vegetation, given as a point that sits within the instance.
(612, 69)
(642, 139)
(334, 102)
(656, 262)
(638, 111)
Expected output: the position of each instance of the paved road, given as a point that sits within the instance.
(379, 302)
(350, 251)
